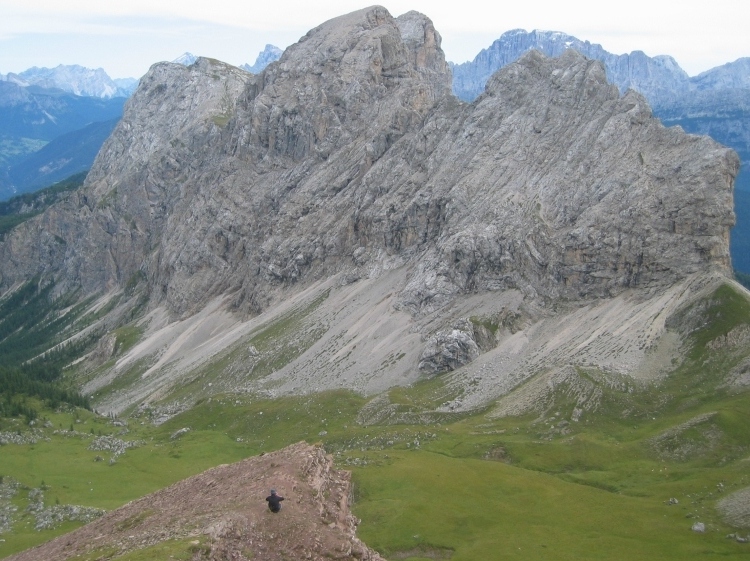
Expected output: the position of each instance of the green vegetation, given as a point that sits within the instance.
(172, 549)
(221, 120)
(34, 350)
(743, 279)
(13, 149)
(462, 486)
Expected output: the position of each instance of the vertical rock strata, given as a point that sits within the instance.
(351, 153)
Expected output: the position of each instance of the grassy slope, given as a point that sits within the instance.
(469, 486)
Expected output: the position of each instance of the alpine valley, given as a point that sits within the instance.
(513, 319)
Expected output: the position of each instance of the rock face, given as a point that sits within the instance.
(452, 348)
(349, 160)
(224, 511)
(714, 103)
(351, 147)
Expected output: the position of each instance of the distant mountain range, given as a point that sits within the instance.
(658, 78)
(74, 79)
(268, 55)
(33, 116)
(265, 57)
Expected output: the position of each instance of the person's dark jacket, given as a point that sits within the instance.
(274, 502)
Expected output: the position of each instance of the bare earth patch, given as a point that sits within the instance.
(225, 508)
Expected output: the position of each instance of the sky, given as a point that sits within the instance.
(125, 37)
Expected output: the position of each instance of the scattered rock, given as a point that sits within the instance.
(178, 433)
(698, 527)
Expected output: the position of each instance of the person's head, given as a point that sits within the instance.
(273, 491)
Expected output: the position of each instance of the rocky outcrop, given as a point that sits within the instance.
(219, 181)
(452, 348)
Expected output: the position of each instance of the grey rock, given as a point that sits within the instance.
(178, 433)
(735, 508)
(714, 103)
(698, 527)
(349, 156)
(449, 349)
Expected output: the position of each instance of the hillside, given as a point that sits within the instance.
(222, 514)
(532, 290)
(66, 155)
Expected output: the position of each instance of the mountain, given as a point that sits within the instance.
(185, 59)
(715, 103)
(657, 78)
(495, 313)
(64, 156)
(377, 198)
(265, 57)
(126, 86)
(731, 76)
(74, 79)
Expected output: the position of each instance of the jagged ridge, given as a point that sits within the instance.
(348, 158)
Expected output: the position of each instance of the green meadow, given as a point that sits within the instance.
(627, 480)
(471, 488)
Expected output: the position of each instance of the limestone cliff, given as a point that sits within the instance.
(217, 180)
(349, 157)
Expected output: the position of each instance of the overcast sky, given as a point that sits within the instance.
(126, 36)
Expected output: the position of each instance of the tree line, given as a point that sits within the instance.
(33, 324)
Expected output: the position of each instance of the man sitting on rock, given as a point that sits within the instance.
(274, 501)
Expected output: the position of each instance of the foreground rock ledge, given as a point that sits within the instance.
(228, 504)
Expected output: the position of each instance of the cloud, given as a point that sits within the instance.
(707, 35)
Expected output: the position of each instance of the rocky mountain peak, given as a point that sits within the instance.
(350, 147)
(268, 55)
(367, 53)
